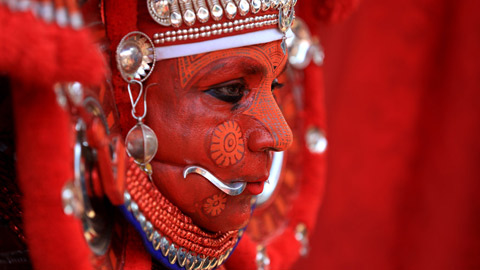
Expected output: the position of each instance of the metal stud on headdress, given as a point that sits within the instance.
(210, 25)
(173, 12)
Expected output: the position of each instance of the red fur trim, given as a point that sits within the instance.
(243, 256)
(325, 11)
(35, 55)
(32, 50)
(121, 19)
(284, 250)
(44, 164)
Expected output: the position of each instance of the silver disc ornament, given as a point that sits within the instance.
(135, 56)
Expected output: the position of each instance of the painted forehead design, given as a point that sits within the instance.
(269, 54)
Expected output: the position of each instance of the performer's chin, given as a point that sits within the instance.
(236, 216)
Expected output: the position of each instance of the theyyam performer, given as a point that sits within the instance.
(144, 134)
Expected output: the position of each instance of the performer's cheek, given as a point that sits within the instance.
(214, 205)
(227, 146)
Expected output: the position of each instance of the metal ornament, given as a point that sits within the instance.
(230, 8)
(262, 259)
(316, 140)
(232, 189)
(141, 142)
(256, 6)
(272, 182)
(285, 17)
(302, 47)
(160, 11)
(301, 235)
(284, 45)
(243, 7)
(93, 212)
(93, 163)
(176, 12)
(135, 61)
(135, 56)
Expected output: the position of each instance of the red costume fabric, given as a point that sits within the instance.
(403, 101)
(55, 240)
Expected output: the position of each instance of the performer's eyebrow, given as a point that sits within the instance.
(234, 67)
(241, 64)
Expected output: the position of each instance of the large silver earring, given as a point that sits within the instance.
(135, 60)
(141, 142)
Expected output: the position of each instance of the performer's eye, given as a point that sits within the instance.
(231, 92)
(276, 85)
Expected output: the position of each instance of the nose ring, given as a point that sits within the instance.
(232, 189)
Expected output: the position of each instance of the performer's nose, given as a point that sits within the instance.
(275, 134)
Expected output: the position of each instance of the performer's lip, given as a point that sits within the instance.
(256, 187)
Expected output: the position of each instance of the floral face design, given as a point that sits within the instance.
(227, 146)
(215, 205)
(216, 110)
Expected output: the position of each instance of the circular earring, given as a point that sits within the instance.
(141, 141)
(135, 56)
(135, 60)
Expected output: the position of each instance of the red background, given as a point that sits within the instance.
(402, 83)
(402, 93)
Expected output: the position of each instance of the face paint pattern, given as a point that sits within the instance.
(215, 205)
(227, 147)
(188, 66)
(265, 108)
(187, 115)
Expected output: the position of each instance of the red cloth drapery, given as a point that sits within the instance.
(403, 110)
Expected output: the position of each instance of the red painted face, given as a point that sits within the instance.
(216, 110)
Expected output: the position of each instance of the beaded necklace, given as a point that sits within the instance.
(168, 234)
